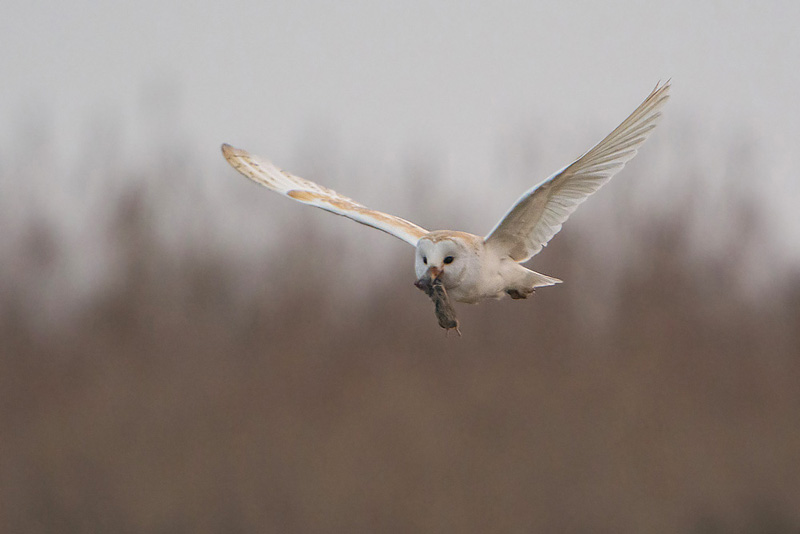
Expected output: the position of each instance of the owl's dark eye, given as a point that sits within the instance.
(448, 259)
(425, 260)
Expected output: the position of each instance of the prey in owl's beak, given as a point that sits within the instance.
(426, 282)
(432, 286)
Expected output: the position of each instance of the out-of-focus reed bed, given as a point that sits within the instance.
(656, 394)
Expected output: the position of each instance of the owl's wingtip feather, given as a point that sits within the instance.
(228, 151)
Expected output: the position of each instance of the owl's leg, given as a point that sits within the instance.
(520, 293)
(519, 282)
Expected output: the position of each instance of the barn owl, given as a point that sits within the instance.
(469, 267)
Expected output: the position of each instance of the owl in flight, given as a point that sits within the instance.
(467, 267)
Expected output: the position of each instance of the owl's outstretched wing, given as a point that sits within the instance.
(265, 173)
(539, 213)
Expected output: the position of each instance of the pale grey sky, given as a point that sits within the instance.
(388, 79)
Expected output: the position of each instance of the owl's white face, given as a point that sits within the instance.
(445, 258)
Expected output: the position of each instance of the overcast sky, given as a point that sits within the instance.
(391, 78)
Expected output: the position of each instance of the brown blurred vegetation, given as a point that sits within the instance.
(654, 394)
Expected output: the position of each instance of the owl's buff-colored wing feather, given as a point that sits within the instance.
(267, 174)
(539, 213)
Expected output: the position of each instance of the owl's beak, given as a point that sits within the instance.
(434, 273)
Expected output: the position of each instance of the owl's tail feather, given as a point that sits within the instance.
(540, 280)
